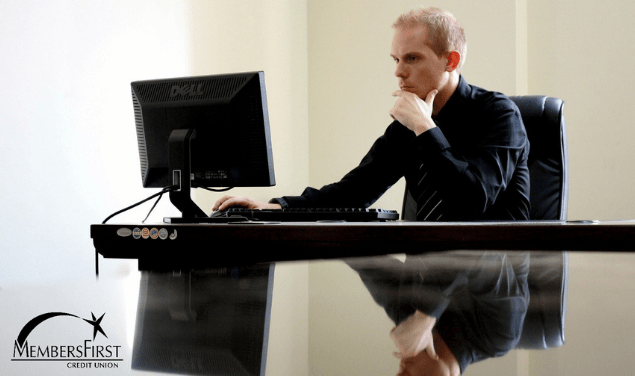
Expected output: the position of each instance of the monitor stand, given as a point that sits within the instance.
(179, 160)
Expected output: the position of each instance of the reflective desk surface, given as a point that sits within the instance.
(523, 307)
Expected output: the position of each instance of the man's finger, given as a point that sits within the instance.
(227, 203)
(235, 201)
(430, 97)
(220, 201)
(431, 352)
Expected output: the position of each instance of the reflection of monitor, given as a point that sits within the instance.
(206, 131)
(213, 322)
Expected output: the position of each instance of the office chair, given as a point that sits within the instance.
(548, 272)
(548, 164)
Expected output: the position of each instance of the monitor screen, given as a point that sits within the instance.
(214, 129)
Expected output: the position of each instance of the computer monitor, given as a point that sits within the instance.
(205, 322)
(203, 131)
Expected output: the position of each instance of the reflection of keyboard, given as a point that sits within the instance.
(312, 214)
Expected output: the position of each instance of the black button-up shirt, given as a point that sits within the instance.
(477, 155)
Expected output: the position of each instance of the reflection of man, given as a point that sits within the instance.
(451, 309)
(463, 150)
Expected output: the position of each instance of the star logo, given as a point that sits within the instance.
(96, 325)
(28, 328)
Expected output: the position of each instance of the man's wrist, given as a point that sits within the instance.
(424, 127)
(278, 203)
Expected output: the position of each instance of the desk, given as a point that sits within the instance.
(323, 309)
(164, 246)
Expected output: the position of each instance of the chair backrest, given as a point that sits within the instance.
(548, 271)
(548, 164)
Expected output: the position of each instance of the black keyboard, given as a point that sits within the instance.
(311, 214)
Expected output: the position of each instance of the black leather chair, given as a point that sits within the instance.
(544, 120)
(548, 272)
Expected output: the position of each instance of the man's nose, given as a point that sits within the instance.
(400, 71)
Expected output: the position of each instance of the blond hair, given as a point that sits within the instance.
(445, 34)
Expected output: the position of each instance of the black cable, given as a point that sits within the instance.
(153, 206)
(163, 191)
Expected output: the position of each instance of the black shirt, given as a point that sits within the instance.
(477, 155)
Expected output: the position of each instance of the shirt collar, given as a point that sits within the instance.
(451, 106)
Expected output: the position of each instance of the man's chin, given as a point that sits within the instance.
(411, 90)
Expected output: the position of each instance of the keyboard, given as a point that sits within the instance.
(311, 214)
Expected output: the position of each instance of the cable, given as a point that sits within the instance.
(153, 206)
(160, 194)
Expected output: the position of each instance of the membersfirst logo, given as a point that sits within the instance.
(85, 354)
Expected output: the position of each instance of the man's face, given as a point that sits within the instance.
(419, 69)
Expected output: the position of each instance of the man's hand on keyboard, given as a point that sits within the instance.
(226, 202)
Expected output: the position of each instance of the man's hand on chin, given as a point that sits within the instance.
(413, 112)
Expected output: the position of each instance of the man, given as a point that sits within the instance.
(462, 150)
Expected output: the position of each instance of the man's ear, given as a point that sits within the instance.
(454, 57)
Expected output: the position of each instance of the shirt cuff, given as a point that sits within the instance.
(280, 201)
(289, 201)
(432, 141)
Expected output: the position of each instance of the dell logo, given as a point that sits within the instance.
(190, 90)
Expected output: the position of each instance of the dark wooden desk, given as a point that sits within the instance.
(164, 246)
